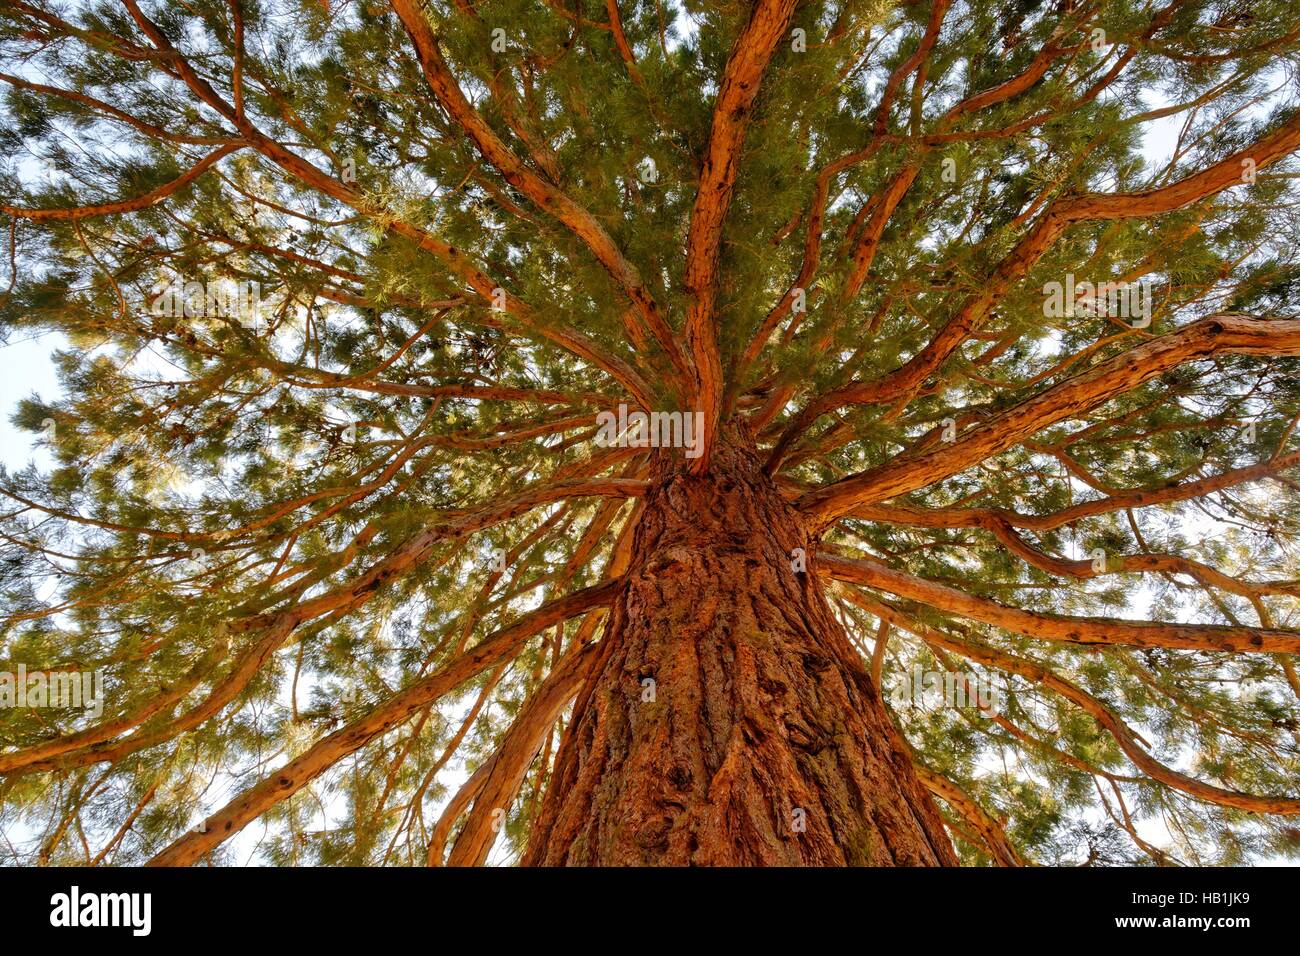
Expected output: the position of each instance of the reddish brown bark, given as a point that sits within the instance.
(760, 708)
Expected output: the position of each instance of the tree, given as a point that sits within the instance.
(765, 433)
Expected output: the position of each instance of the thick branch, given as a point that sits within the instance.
(1059, 215)
(1059, 627)
(1074, 396)
(296, 774)
(144, 201)
(1120, 731)
(750, 56)
(548, 196)
(496, 789)
(989, 830)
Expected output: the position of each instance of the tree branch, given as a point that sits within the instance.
(749, 59)
(1090, 631)
(1105, 381)
(296, 774)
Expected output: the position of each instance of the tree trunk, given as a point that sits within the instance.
(729, 721)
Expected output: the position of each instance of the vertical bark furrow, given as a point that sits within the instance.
(728, 721)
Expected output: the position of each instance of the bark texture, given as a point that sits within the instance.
(761, 740)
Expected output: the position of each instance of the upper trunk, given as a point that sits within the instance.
(727, 720)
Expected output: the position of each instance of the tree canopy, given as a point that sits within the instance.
(342, 287)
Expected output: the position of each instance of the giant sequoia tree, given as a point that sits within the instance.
(347, 293)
